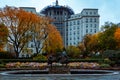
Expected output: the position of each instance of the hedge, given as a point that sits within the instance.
(86, 60)
(31, 60)
(21, 60)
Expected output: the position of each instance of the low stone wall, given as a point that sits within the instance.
(59, 69)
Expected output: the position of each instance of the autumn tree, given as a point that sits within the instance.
(3, 36)
(18, 23)
(117, 37)
(93, 43)
(40, 33)
(54, 41)
(86, 40)
(73, 52)
(106, 38)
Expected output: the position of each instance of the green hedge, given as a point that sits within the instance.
(6, 55)
(86, 60)
(105, 65)
(43, 60)
(20, 60)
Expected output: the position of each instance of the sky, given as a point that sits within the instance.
(108, 9)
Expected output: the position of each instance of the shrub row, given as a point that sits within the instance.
(86, 60)
(20, 60)
(43, 60)
(6, 55)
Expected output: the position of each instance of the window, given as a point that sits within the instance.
(67, 43)
(74, 23)
(67, 29)
(78, 22)
(91, 25)
(70, 23)
(90, 13)
(95, 20)
(86, 30)
(54, 12)
(60, 12)
(90, 30)
(95, 26)
(94, 12)
(90, 19)
(95, 31)
(74, 43)
(86, 13)
(86, 25)
(86, 20)
(57, 12)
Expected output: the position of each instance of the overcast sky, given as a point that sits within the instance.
(108, 9)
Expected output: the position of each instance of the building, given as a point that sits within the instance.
(29, 9)
(59, 14)
(72, 27)
(78, 25)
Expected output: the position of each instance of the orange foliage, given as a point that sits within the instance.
(19, 24)
(3, 36)
(54, 41)
(117, 36)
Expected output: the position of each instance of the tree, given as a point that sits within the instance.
(93, 43)
(19, 23)
(106, 38)
(86, 40)
(117, 37)
(73, 52)
(3, 36)
(54, 41)
(40, 33)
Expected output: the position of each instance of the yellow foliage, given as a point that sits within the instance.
(54, 40)
(117, 36)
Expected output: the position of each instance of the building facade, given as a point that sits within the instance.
(72, 27)
(78, 25)
(59, 14)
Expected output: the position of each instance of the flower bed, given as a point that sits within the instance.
(35, 65)
(84, 65)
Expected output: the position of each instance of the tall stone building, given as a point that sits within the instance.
(72, 27)
(59, 14)
(78, 25)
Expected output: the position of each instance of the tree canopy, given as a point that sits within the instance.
(3, 36)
